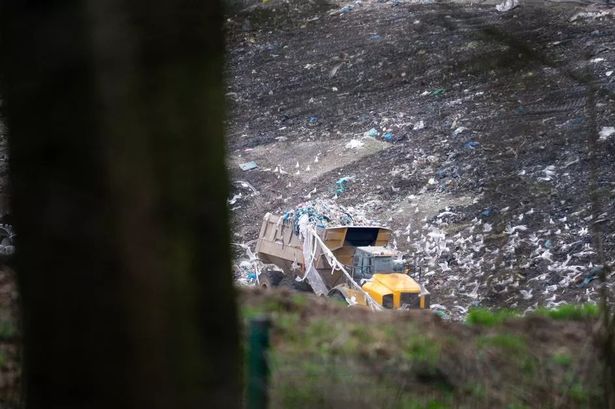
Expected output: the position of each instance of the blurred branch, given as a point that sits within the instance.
(115, 118)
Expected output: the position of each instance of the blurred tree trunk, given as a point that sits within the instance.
(115, 119)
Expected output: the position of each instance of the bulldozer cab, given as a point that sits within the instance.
(370, 260)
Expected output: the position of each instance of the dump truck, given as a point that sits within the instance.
(350, 263)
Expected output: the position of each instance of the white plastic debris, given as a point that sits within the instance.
(234, 199)
(248, 165)
(459, 130)
(354, 144)
(606, 132)
(418, 126)
(507, 5)
(591, 15)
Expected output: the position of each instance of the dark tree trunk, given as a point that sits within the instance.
(115, 118)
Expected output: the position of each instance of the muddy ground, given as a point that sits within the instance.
(499, 133)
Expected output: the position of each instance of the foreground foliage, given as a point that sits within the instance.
(328, 356)
(571, 312)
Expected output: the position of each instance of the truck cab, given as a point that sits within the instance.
(369, 260)
(385, 277)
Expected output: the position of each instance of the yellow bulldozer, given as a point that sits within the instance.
(350, 263)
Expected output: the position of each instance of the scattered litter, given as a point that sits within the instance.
(335, 69)
(354, 144)
(388, 136)
(590, 276)
(246, 185)
(372, 133)
(247, 270)
(493, 247)
(438, 92)
(248, 165)
(341, 185)
(241, 190)
(549, 172)
(488, 212)
(471, 145)
(345, 10)
(507, 5)
(512, 230)
(606, 132)
(7, 236)
(234, 199)
(592, 15)
(312, 120)
(418, 126)
(459, 130)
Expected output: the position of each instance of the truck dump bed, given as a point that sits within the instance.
(280, 244)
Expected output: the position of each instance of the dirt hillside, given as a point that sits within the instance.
(489, 131)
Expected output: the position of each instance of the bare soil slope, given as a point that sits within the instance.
(487, 171)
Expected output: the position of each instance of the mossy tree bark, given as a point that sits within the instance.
(115, 118)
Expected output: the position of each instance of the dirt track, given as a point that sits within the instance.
(487, 176)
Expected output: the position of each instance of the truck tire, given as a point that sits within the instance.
(338, 297)
(290, 282)
(270, 278)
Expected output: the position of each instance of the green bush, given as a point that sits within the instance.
(506, 342)
(488, 318)
(570, 312)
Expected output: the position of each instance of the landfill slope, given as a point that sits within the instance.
(477, 136)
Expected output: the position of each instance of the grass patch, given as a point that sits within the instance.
(578, 393)
(430, 404)
(422, 350)
(477, 391)
(516, 406)
(562, 359)
(300, 300)
(570, 312)
(505, 342)
(488, 318)
(338, 358)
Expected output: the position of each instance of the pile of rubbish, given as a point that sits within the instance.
(325, 213)
(317, 213)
